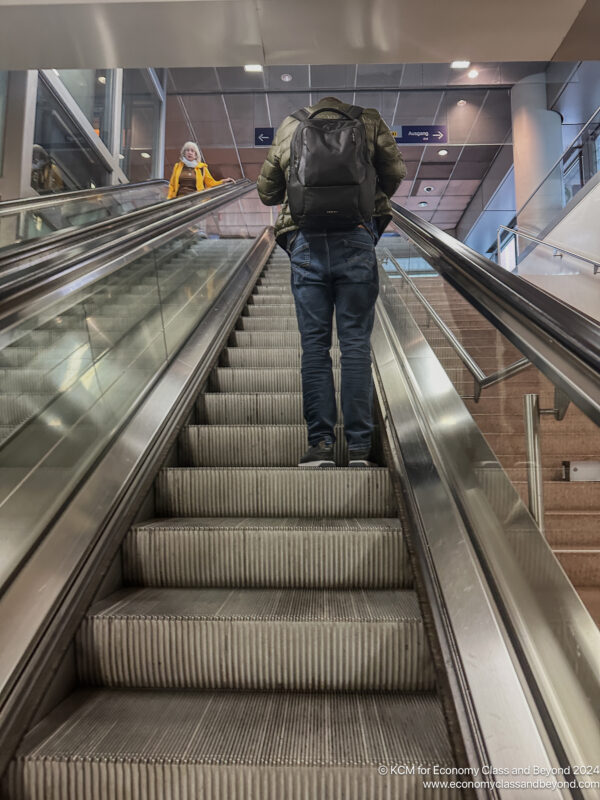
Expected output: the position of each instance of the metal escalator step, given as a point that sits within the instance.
(271, 299)
(253, 357)
(239, 379)
(259, 639)
(274, 492)
(267, 552)
(265, 339)
(174, 745)
(280, 310)
(271, 289)
(253, 408)
(254, 445)
(16, 408)
(14, 380)
(287, 323)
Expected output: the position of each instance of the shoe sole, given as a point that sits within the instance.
(361, 464)
(317, 465)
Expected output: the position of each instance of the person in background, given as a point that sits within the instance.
(45, 175)
(190, 173)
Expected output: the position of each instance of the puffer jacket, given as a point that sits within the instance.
(383, 152)
(204, 180)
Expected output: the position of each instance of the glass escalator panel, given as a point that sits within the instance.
(71, 376)
(26, 221)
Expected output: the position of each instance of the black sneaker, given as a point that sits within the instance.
(318, 456)
(360, 458)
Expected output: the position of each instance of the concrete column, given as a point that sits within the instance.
(18, 141)
(537, 146)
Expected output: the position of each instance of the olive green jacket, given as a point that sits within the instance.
(382, 148)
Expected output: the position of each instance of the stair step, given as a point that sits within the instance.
(265, 339)
(274, 310)
(254, 446)
(582, 564)
(267, 492)
(17, 408)
(257, 639)
(271, 299)
(267, 552)
(566, 496)
(232, 746)
(252, 358)
(576, 528)
(286, 323)
(591, 599)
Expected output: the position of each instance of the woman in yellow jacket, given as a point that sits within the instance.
(190, 173)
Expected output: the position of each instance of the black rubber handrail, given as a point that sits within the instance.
(454, 260)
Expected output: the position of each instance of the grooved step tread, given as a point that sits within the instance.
(231, 745)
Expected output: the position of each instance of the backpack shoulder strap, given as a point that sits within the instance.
(353, 112)
(301, 114)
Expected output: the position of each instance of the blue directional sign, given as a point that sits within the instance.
(423, 134)
(263, 136)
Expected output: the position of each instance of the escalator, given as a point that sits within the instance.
(236, 626)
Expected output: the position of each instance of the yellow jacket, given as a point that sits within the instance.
(204, 180)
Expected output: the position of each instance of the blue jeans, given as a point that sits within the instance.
(336, 271)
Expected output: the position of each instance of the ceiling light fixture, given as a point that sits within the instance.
(462, 103)
(286, 77)
(428, 189)
(253, 68)
(145, 155)
(423, 203)
(442, 152)
(102, 79)
(473, 73)
(460, 64)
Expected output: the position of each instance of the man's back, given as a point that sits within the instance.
(381, 148)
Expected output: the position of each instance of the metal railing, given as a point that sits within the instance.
(516, 232)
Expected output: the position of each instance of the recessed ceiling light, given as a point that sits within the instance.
(101, 79)
(473, 73)
(428, 189)
(442, 152)
(253, 68)
(286, 77)
(462, 103)
(460, 64)
(423, 203)
(145, 155)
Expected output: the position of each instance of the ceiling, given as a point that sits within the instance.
(193, 33)
(220, 107)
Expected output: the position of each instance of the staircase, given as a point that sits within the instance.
(268, 641)
(572, 510)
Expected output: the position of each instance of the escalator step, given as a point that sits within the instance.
(257, 639)
(273, 310)
(253, 357)
(270, 492)
(267, 552)
(265, 339)
(240, 379)
(176, 745)
(253, 408)
(254, 445)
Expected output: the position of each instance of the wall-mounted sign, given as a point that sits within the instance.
(422, 134)
(263, 136)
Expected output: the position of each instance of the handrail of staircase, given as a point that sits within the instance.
(562, 342)
(480, 378)
(518, 232)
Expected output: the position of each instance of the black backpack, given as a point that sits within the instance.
(332, 182)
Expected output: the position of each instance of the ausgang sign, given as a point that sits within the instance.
(422, 134)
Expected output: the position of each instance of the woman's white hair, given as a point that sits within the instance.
(192, 146)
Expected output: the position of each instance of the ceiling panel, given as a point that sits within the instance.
(453, 202)
(246, 111)
(412, 203)
(338, 75)
(435, 171)
(437, 188)
(383, 75)
(202, 79)
(299, 78)
(462, 187)
(417, 108)
(233, 79)
(282, 105)
(384, 102)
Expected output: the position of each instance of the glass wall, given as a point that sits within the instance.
(63, 159)
(92, 91)
(3, 95)
(140, 125)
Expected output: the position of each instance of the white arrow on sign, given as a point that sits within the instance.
(438, 135)
(262, 137)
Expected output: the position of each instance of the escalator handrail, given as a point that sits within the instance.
(575, 330)
(43, 200)
(76, 273)
(507, 299)
(18, 258)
